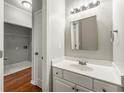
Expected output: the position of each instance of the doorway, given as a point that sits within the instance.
(22, 53)
(17, 56)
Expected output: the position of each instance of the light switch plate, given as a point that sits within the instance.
(122, 79)
(1, 54)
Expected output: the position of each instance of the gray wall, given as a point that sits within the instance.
(15, 38)
(37, 5)
(104, 19)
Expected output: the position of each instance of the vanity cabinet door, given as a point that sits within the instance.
(60, 85)
(100, 86)
(82, 89)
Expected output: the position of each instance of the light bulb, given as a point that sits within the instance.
(72, 11)
(86, 5)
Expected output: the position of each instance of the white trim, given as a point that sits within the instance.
(39, 83)
(44, 29)
(34, 82)
(1, 44)
(33, 63)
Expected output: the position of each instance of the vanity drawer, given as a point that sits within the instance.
(71, 77)
(57, 72)
(82, 89)
(100, 86)
(78, 79)
(86, 82)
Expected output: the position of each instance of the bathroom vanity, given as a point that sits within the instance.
(70, 76)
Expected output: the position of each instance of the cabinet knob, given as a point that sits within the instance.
(57, 73)
(104, 90)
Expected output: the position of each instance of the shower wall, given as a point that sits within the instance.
(17, 44)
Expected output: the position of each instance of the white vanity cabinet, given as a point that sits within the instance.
(67, 81)
(61, 85)
(105, 87)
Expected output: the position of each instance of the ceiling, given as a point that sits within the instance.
(37, 4)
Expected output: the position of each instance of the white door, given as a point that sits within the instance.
(38, 43)
(1, 42)
(60, 85)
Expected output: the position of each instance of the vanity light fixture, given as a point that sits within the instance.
(86, 6)
(72, 11)
(96, 3)
(83, 8)
(26, 4)
(75, 10)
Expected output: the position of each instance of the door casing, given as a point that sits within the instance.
(1, 42)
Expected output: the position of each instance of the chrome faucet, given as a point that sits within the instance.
(83, 62)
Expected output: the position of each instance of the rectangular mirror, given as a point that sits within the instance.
(84, 34)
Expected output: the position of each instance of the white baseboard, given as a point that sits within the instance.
(39, 83)
(34, 82)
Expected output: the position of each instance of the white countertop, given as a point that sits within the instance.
(100, 72)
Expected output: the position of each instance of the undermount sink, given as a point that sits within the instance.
(81, 67)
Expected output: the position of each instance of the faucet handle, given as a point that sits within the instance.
(83, 62)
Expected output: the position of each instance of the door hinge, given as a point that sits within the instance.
(42, 57)
(36, 53)
(1, 54)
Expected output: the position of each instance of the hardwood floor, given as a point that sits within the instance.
(20, 82)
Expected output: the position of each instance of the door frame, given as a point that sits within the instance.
(44, 61)
(44, 4)
(34, 63)
(1, 44)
